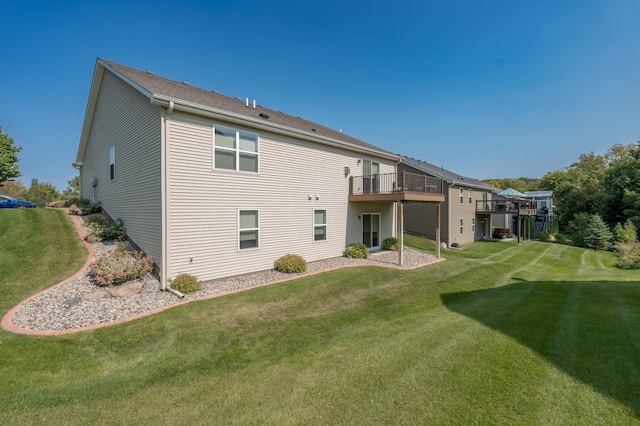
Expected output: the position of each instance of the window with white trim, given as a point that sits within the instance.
(319, 225)
(248, 229)
(473, 225)
(461, 195)
(235, 149)
(112, 163)
(461, 226)
(470, 196)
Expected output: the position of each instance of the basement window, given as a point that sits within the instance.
(248, 229)
(319, 225)
(112, 163)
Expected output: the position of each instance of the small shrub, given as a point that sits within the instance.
(290, 263)
(92, 208)
(544, 236)
(185, 283)
(58, 203)
(356, 251)
(390, 243)
(628, 255)
(74, 210)
(84, 206)
(120, 267)
(102, 229)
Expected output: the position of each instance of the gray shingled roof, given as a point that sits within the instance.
(447, 175)
(157, 85)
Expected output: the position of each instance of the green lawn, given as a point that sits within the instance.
(497, 334)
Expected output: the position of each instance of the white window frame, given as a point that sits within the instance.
(236, 150)
(473, 225)
(461, 226)
(461, 196)
(321, 225)
(470, 196)
(112, 163)
(257, 230)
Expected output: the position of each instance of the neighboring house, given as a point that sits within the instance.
(545, 214)
(460, 221)
(216, 186)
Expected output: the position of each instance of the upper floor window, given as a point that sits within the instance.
(470, 196)
(112, 163)
(319, 225)
(235, 150)
(461, 195)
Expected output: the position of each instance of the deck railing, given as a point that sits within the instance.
(507, 206)
(387, 183)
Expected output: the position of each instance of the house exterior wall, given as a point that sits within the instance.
(203, 202)
(126, 120)
(467, 211)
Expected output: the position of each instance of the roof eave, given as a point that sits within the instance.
(194, 108)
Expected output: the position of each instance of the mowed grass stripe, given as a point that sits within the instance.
(459, 342)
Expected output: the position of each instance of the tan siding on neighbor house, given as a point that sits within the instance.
(126, 120)
(203, 203)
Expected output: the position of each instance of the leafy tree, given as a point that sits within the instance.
(13, 188)
(42, 193)
(578, 188)
(626, 233)
(622, 184)
(73, 190)
(8, 158)
(598, 234)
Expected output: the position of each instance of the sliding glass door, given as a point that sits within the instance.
(371, 230)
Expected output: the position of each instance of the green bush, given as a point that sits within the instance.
(290, 263)
(390, 243)
(82, 206)
(628, 255)
(103, 229)
(356, 251)
(544, 236)
(185, 283)
(121, 266)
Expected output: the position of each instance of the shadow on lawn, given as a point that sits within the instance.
(590, 330)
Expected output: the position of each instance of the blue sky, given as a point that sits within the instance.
(487, 89)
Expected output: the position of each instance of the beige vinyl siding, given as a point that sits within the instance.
(126, 120)
(204, 202)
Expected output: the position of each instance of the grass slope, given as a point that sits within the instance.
(498, 334)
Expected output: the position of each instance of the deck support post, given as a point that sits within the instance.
(438, 230)
(400, 216)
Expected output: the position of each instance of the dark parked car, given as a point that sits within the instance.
(7, 202)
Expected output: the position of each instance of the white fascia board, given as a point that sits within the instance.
(96, 82)
(182, 105)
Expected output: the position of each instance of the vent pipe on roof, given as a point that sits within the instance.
(254, 104)
(247, 102)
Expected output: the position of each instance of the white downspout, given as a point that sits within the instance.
(164, 190)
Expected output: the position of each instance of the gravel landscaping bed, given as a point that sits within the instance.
(72, 306)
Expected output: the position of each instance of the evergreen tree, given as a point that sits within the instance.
(598, 235)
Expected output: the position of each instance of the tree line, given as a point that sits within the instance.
(607, 185)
